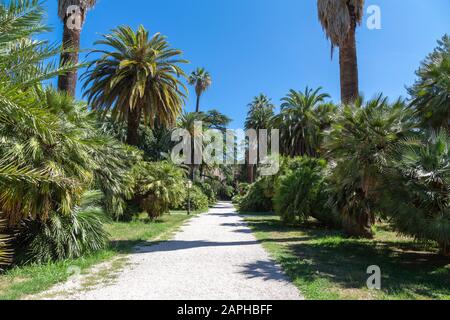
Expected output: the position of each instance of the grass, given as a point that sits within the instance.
(325, 265)
(20, 282)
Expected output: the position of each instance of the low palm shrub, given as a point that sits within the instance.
(199, 201)
(208, 191)
(68, 236)
(417, 193)
(358, 142)
(159, 186)
(302, 193)
(257, 198)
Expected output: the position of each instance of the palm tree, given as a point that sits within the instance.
(201, 79)
(33, 135)
(188, 121)
(71, 40)
(160, 186)
(302, 116)
(416, 196)
(360, 138)
(339, 19)
(260, 114)
(137, 77)
(431, 92)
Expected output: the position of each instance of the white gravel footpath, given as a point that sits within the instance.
(214, 256)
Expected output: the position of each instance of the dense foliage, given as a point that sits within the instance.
(303, 117)
(197, 200)
(431, 92)
(55, 151)
(302, 193)
(136, 78)
(159, 186)
(68, 236)
(358, 140)
(417, 194)
(257, 199)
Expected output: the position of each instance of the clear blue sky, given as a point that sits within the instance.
(271, 46)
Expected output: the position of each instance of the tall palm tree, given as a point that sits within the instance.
(137, 77)
(260, 114)
(188, 121)
(71, 39)
(302, 116)
(339, 19)
(201, 79)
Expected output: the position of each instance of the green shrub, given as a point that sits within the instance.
(297, 193)
(359, 141)
(243, 188)
(198, 200)
(62, 237)
(208, 191)
(302, 193)
(416, 196)
(159, 186)
(256, 199)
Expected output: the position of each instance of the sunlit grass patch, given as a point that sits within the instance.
(324, 264)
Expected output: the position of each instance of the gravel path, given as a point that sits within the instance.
(214, 256)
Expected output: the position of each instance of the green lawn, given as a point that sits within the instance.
(22, 281)
(325, 265)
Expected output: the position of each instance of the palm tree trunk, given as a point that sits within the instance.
(71, 44)
(250, 173)
(359, 226)
(445, 249)
(197, 109)
(134, 120)
(348, 61)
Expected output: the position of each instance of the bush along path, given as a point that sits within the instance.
(214, 256)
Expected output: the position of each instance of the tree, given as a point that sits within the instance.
(217, 120)
(201, 79)
(431, 92)
(73, 21)
(358, 144)
(31, 181)
(339, 19)
(159, 186)
(212, 119)
(136, 77)
(417, 194)
(187, 121)
(259, 116)
(302, 116)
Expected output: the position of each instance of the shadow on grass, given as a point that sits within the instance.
(266, 270)
(318, 255)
